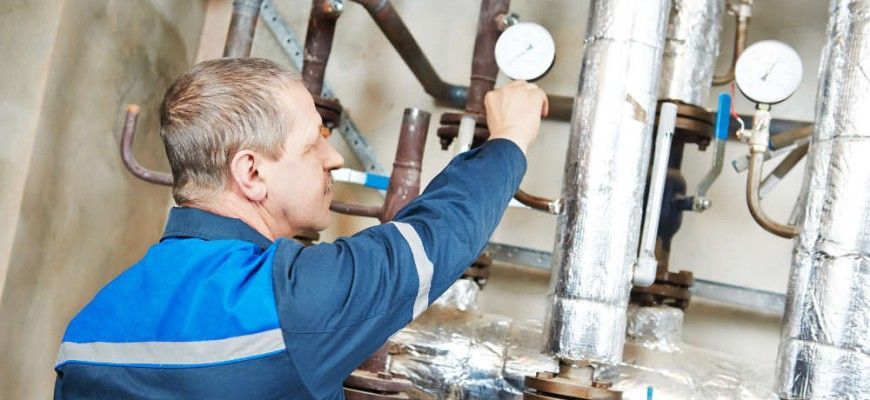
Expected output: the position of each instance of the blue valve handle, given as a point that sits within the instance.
(723, 116)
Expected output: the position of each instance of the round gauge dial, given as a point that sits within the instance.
(768, 72)
(525, 51)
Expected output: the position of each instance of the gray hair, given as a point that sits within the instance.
(217, 108)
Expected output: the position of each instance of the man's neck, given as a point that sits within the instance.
(232, 207)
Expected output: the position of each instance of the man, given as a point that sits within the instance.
(225, 306)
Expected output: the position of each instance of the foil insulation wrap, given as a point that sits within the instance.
(691, 48)
(605, 171)
(451, 354)
(462, 295)
(656, 356)
(825, 348)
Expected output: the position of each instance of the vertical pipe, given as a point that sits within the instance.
(483, 67)
(318, 43)
(605, 172)
(405, 178)
(240, 36)
(691, 48)
(824, 351)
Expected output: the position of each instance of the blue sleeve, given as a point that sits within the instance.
(338, 302)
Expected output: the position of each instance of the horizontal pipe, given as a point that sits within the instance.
(551, 206)
(355, 209)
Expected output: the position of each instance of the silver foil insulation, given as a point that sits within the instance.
(691, 48)
(454, 352)
(825, 348)
(451, 354)
(606, 165)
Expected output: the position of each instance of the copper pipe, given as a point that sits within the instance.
(538, 203)
(243, 24)
(129, 159)
(318, 43)
(483, 67)
(395, 30)
(405, 179)
(753, 181)
(740, 36)
(355, 209)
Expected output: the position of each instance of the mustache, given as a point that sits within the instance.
(330, 184)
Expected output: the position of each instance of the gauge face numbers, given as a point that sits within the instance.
(525, 51)
(768, 72)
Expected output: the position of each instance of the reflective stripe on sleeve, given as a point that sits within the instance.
(421, 262)
(203, 352)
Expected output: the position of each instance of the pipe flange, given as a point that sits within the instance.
(329, 110)
(449, 129)
(670, 289)
(547, 386)
(694, 124)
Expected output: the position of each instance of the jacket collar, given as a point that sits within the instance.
(196, 223)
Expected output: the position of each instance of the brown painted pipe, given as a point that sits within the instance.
(404, 187)
(395, 30)
(405, 179)
(127, 134)
(243, 24)
(318, 43)
(355, 209)
(483, 67)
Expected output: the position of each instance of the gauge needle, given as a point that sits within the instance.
(521, 53)
(769, 70)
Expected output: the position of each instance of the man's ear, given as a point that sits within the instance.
(246, 176)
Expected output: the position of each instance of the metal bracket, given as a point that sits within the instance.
(289, 42)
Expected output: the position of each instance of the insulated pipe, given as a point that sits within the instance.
(127, 134)
(605, 173)
(824, 351)
(691, 48)
(243, 24)
(318, 43)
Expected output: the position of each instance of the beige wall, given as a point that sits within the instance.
(76, 218)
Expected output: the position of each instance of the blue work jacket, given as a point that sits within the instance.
(217, 311)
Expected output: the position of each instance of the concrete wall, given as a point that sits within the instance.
(723, 244)
(72, 217)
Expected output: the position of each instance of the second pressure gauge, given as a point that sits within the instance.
(525, 51)
(768, 72)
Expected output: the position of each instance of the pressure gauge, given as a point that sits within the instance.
(525, 51)
(768, 72)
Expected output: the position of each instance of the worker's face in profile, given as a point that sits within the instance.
(299, 183)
